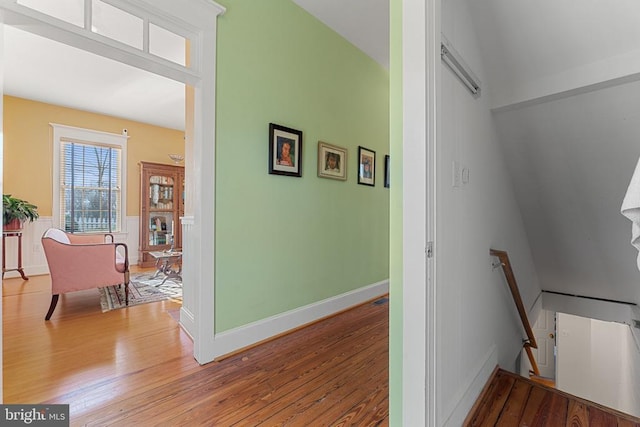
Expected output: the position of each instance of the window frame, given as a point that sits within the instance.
(64, 133)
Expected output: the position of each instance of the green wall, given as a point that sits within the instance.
(395, 261)
(284, 242)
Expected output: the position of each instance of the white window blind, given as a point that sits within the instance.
(90, 187)
(89, 177)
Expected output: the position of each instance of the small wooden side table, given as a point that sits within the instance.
(18, 234)
(168, 263)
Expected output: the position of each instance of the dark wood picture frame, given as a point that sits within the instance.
(366, 166)
(285, 151)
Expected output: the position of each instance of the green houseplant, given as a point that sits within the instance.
(16, 211)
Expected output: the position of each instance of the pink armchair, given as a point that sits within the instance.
(78, 262)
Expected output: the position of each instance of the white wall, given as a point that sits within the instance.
(33, 259)
(598, 361)
(478, 322)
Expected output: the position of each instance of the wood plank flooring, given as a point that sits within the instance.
(511, 400)
(134, 367)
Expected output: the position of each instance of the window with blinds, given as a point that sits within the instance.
(89, 177)
(90, 187)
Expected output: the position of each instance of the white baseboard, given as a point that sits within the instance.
(244, 336)
(468, 394)
(187, 321)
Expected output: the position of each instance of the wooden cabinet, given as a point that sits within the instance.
(161, 206)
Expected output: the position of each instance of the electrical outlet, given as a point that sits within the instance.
(636, 323)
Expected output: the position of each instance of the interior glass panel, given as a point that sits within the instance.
(161, 221)
(71, 11)
(167, 44)
(109, 21)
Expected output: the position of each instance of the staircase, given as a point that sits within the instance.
(511, 400)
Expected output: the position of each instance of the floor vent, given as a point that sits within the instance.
(381, 301)
(636, 323)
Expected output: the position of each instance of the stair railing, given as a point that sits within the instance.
(530, 342)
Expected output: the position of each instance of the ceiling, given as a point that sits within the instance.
(78, 79)
(365, 23)
(533, 49)
(564, 81)
(562, 78)
(570, 161)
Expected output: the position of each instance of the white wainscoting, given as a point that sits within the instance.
(189, 275)
(33, 259)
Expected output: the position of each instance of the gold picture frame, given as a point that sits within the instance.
(332, 161)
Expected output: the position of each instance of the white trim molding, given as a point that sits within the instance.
(420, 95)
(255, 332)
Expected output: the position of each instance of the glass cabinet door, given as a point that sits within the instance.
(161, 192)
(161, 220)
(161, 206)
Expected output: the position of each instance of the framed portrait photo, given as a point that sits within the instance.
(285, 151)
(332, 161)
(366, 166)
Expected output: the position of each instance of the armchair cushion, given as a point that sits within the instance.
(57, 235)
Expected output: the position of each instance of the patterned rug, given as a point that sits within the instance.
(142, 289)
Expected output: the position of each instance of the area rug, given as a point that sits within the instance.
(142, 289)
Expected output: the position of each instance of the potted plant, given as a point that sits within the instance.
(16, 211)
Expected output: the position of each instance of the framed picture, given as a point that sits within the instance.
(285, 151)
(332, 161)
(366, 166)
(386, 171)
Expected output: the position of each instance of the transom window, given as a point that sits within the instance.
(121, 22)
(88, 180)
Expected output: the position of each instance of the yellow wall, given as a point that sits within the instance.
(28, 149)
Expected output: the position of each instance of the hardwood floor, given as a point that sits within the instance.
(135, 366)
(512, 400)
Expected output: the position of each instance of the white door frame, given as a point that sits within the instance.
(421, 85)
(1, 184)
(199, 17)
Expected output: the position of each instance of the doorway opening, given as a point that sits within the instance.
(199, 20)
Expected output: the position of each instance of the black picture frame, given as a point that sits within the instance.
(387, 176)
(366, 166)
(285, 151)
